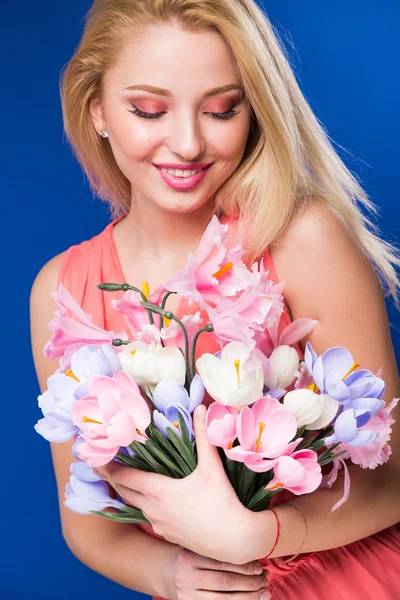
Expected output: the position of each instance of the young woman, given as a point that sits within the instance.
(157, 85)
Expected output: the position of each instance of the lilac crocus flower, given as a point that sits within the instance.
(56, 405)
(347, 429)
(85, 491)
(170, 397)
(63, 390)
(91, 360)
(359, 390)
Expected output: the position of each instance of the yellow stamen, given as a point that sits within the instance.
(176, 424)
(355, 365)
(258, 441)
(313, 387)
(133, 352)
(146, 289)
(167, 322)
(70, 373)
(230, 445)
(138, 431)
(276, 486)
(87, 420)
(237, 367)
(223, 270)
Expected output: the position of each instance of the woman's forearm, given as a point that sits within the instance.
(372, 506)
(126, 555)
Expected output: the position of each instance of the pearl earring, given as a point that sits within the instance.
(103, 133)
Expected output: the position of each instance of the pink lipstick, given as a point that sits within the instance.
(183, 183)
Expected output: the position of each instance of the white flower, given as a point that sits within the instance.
(283, 367)
(227, 381)
(314, 410)
(149, 364)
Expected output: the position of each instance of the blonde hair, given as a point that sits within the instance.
(288, 159)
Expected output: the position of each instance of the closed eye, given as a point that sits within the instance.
(229, 114)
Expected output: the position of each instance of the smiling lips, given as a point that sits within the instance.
(183, 183)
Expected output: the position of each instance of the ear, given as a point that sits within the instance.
(96, 114)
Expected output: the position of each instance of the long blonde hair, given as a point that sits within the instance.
(288, 159)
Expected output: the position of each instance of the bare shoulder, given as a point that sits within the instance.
(323, 264)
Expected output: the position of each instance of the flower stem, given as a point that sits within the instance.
(208, 328)
(115, 287)
(169, 315)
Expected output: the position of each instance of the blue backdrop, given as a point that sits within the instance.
(346, 58)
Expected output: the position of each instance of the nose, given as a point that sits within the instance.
(186, 138)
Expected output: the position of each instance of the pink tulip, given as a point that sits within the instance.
(299, 473)
(113, 414)
(68, 331)
(215, 272)
(221, 425)
(265, 432)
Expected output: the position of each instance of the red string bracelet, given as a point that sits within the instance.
(277, 533)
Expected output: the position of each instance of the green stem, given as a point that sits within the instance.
(209, 328)
(169, 315)
(163, 303)
(114, 287)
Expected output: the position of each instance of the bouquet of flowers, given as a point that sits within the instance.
(277, 418)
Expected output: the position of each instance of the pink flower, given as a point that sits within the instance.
(113, 414)
(264, 431)
(173, 334)
(136, 316)
(68, 331)
(215, 272)
(251, 312)
(299, 473)
(221, 425)
(378, 452)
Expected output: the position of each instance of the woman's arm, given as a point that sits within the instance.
(124, 554)
(329, 278)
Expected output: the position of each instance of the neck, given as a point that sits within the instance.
(156, 233)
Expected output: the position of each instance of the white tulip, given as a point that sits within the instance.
(227, 381)
(329, 411)
(313, 410)
(148, 364)
(284, 365)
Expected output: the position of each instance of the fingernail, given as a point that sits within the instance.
(266, 595)
(201, 412)
(258, 570)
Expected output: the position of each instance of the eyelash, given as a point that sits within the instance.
(229, 114)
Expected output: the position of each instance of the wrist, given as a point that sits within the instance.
(262, 532)
(166, 587)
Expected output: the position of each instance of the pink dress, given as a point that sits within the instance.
(365, 570)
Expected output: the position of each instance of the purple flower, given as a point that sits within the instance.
(347, 429)
(171, 393)
(171, 398)
(92, 360)
(334, 374)
(86, 492)
(63, 390)
(56, 405)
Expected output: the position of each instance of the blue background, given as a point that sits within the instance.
(346, 60)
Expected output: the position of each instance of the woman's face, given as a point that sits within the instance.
(182, 122)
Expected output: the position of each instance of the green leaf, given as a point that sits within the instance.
(185, 433)
(326, 461)
(131, 517)
(328, 452)
(182, 449)
(143, 453)
(159, 455)
(134, 462)
(166, 445)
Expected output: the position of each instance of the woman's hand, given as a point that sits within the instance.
(200, 512)
(190, 576)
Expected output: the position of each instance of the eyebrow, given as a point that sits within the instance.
(163, 92)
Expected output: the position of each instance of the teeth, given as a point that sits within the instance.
(180, 172)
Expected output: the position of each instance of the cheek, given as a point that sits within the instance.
(230, 142)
